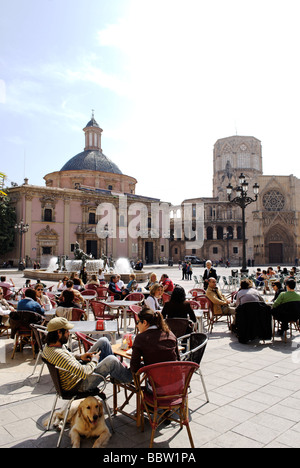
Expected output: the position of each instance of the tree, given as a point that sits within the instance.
(7, 225)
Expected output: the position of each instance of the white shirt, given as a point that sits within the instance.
(152, 302)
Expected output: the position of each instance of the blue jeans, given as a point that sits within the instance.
(108, 364)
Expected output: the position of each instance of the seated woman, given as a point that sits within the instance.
(4, 307)
(93, 281)
(156, 293)
(178, 307)
(277, 287)
(152, 281)
(41, 297)
(62, 284)
(154, 342)
(30, 302)
(132, 285)
(247, 293)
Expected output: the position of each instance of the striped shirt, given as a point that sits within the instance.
(74, 370)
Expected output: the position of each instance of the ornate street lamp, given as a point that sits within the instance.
(21, 228)
(242, 199)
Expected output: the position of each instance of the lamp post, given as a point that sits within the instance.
(21, 228)
(242, 199)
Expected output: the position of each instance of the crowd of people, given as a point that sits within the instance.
(155, 342)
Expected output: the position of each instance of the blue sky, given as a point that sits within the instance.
(166, 79)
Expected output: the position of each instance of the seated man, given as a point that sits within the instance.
(30, 302)
(79, 368)
(167, 284)
(285, 308)
(113, 288)
(220, 302)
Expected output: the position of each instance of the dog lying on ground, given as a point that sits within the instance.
(86, 418)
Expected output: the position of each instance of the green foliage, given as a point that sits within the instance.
(7, 223)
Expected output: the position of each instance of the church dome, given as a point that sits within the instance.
(92, 160)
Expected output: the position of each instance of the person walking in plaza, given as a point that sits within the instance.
(209, 272)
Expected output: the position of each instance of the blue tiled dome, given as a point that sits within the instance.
(92, 160)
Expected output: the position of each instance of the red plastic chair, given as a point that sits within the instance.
(197, 290)
(135, 309)
(102, 292)
(77, 314)
(98, 309)
(194, 305)
(135, 297)
(91, 287)
(169, 382)
(85, 340)
(88, 292)
(7, 293)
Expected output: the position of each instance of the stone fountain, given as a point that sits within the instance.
(61, 266)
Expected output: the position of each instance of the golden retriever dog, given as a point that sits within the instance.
(86, 419)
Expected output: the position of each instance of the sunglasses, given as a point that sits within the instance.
(40, 289)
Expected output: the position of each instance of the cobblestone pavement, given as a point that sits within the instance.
(254, 393)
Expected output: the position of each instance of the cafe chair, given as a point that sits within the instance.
(21, 331)
(135, 309)
(72, 395)
(135, 297)
(91, 287)
(168, 395)
(98, 309)
(195, 344)
(102, 293)
(199, 291)
(39, 332)
(194, 305)
(180, 326)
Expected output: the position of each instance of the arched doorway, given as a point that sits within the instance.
(279, 245)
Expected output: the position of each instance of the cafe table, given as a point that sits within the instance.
(130, 389)
(89, 327)
(123, 305)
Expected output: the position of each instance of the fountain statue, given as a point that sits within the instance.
(79, 254)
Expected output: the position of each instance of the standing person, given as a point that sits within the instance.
(184, 267)
(209, 273)
(189, 271)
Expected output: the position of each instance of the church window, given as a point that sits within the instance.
(48, 215)
(273, 201)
